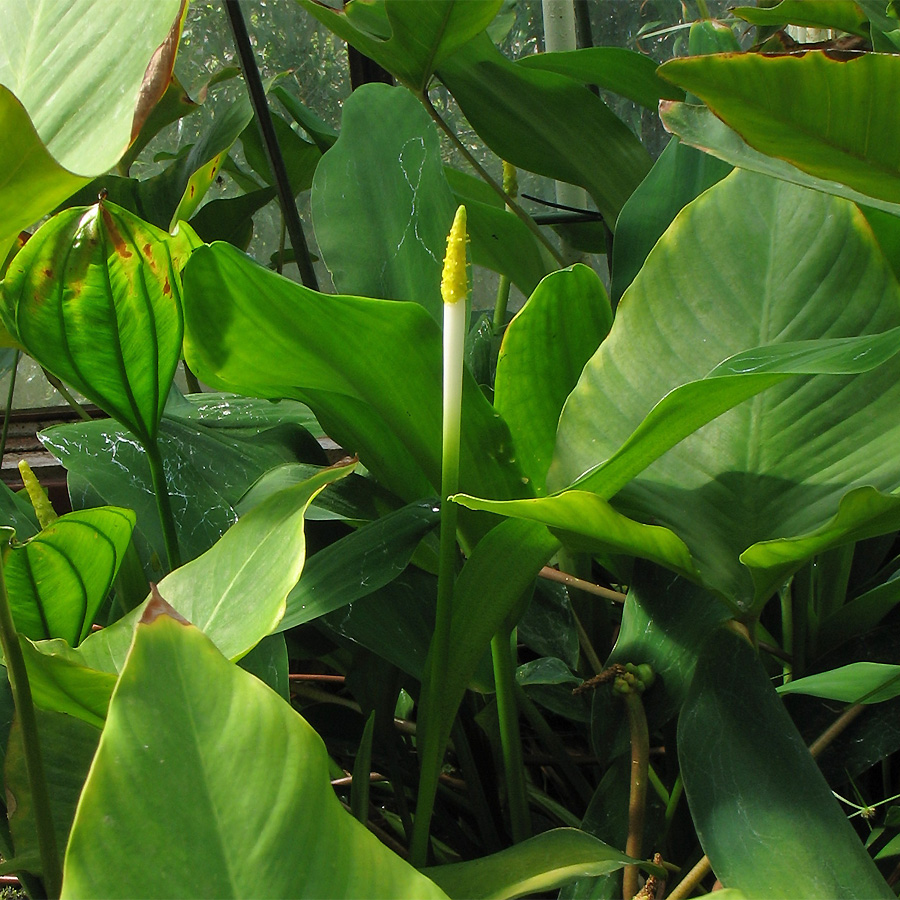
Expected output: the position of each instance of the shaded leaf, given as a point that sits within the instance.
(539, 864)
(843, 15)
(735, 739)
(863, 682)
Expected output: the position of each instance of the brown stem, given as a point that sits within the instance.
(637, 803)
(589, 587)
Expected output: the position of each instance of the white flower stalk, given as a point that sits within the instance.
(454, 290)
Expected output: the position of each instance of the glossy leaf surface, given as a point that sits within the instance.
(542, 863)
(842, 15)
(373, 378)
(736, 740)
(409, 40)
(59, 578)
(213, 450)
(95, 297)
(186, 723)
(815, 439)
(381, 205)
(546, 123)
(819, 113)
(544, 349)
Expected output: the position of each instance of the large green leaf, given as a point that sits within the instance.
(95, 297)
(863, 682)
(538, 865)
(546, 123)
(744, 766)
(823, 115)
(77, 82)
(700, 128)
(373, 377)
(776, 467)
(17, 512)
(185, 728)
(58, 579)
(409, 40)
(677, 177)
(381, 205)
(236, 591)
(616, 69)
(543, 352)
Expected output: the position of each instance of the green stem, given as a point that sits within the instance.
(9, 403)
(513, 206)
(191, 381)
(674, 797)
(34, 765)
(637, 803)
(163, 505)
(510, 738)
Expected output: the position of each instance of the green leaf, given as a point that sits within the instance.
(373, 377)
(585, 522)
(300, 157)
(59, 578)
(744, 766)
(236, 591)
(841, 15)
(546, 123)
(95, 297)
(821, 114)
(858, 616)
(758, 472)
(208, 466)
(67, 749)
(538, 865)
(185, 723)
(381, 205)
(358, 564)
(231, 219)
(17, 512)
(268, 661)
(89, 94)
(615, 69)
(862, 682)
(408, 40)
(543, 352)
(680, 175)
(700, 128)
(32, 182)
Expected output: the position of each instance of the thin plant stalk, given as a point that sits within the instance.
(163, 505)
(511, 186)
(513, 206)
(34, 764)
(454, 290)
(510, 738)
(9, 403)
(637, 802)
(66, 394)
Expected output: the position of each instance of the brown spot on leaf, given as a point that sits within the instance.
(192, 190)
(47, 273)
(167, 288)
(117, 239)
(158, 606)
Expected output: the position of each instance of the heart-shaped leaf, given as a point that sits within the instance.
(58, 579)
(381, 205)
(95, 297)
